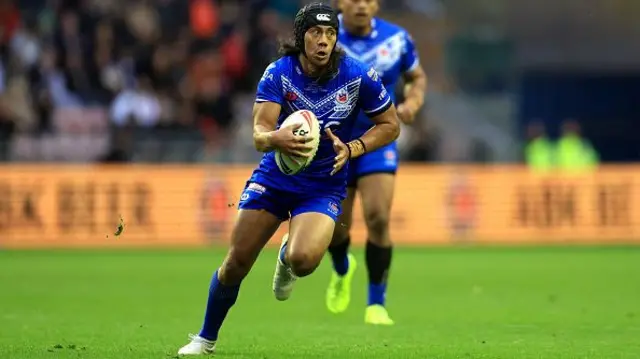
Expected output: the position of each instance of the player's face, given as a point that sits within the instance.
(319, 42)
(358, 13)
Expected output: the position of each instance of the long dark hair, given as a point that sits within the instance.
(288, 48)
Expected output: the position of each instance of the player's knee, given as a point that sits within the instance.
(234, 269)
(377, 222)
(302, 264)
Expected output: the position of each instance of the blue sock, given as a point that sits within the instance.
(221, 299)
(282, 253)
(377, 293)
(340, 264)
(378, 263)
(339, 257)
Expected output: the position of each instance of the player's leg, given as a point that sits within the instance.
(338, 295)
(309, 237)
(376, 186)
(376, 193)
(253, 229)
(310, 232)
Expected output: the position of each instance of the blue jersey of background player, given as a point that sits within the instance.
(312, 75)
(390, 50)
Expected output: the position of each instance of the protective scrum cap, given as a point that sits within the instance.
(312, 15)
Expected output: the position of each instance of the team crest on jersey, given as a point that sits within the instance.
(389, 53)
(342, 96)
(342, 101)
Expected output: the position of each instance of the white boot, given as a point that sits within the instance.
(283, 278)
(198, 346)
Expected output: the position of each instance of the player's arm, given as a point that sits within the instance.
(266, 112)
(266, 138)
(414, 91)
(375, 102)
(386, 129)
(415, 82)
(265, 120)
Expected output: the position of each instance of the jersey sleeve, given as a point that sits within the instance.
(270, 86)
(374, 98)
(410, 59)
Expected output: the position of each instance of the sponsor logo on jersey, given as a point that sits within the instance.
(372, 74)
(254, 187)
(267, 75)
(382, 95)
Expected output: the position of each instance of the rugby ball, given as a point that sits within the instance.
(290, 165)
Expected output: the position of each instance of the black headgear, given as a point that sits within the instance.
(312, 15)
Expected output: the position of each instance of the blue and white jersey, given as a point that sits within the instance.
(337, 103)
(388, 48)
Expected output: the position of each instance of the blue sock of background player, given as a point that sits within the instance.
(339, 257)
(378, 263)
(221, 299)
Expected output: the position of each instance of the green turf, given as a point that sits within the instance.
(520, 303)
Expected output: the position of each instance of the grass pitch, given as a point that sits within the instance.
(493, 303)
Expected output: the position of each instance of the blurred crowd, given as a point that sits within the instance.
(73, 70)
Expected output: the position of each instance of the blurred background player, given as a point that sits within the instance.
(390, 50)
(271, 197)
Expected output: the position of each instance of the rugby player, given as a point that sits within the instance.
(390, 50)
(312, 74)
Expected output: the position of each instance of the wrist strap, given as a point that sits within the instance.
(356, 148)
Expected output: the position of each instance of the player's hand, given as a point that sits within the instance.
(284, 140)
(342, 152)
(407, 111)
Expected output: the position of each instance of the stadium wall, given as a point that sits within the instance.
(53, 206)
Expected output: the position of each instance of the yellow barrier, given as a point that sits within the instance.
(79, 206)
